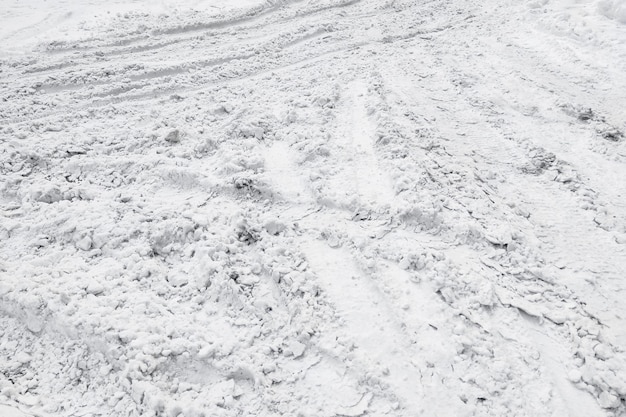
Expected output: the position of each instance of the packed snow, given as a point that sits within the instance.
(312, 208)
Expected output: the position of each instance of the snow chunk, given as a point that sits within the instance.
(95, 288)
(274, 227)
(173, 136)
(608, 400)
(295, 348)
(251, 131)
(574, 376)
(46, 194)
(177, 280)
(84, 243)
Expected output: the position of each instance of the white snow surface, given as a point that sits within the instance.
(312, 208)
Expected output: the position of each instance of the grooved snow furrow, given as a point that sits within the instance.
(378, 337)
(357, 134)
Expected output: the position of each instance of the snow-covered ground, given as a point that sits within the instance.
(312, 208)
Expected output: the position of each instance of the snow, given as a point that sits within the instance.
(321, 208)
(613, 9)
(6, 411)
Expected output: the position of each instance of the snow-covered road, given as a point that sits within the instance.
(313, 208)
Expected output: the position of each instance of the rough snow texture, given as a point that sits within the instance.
(321, 208)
